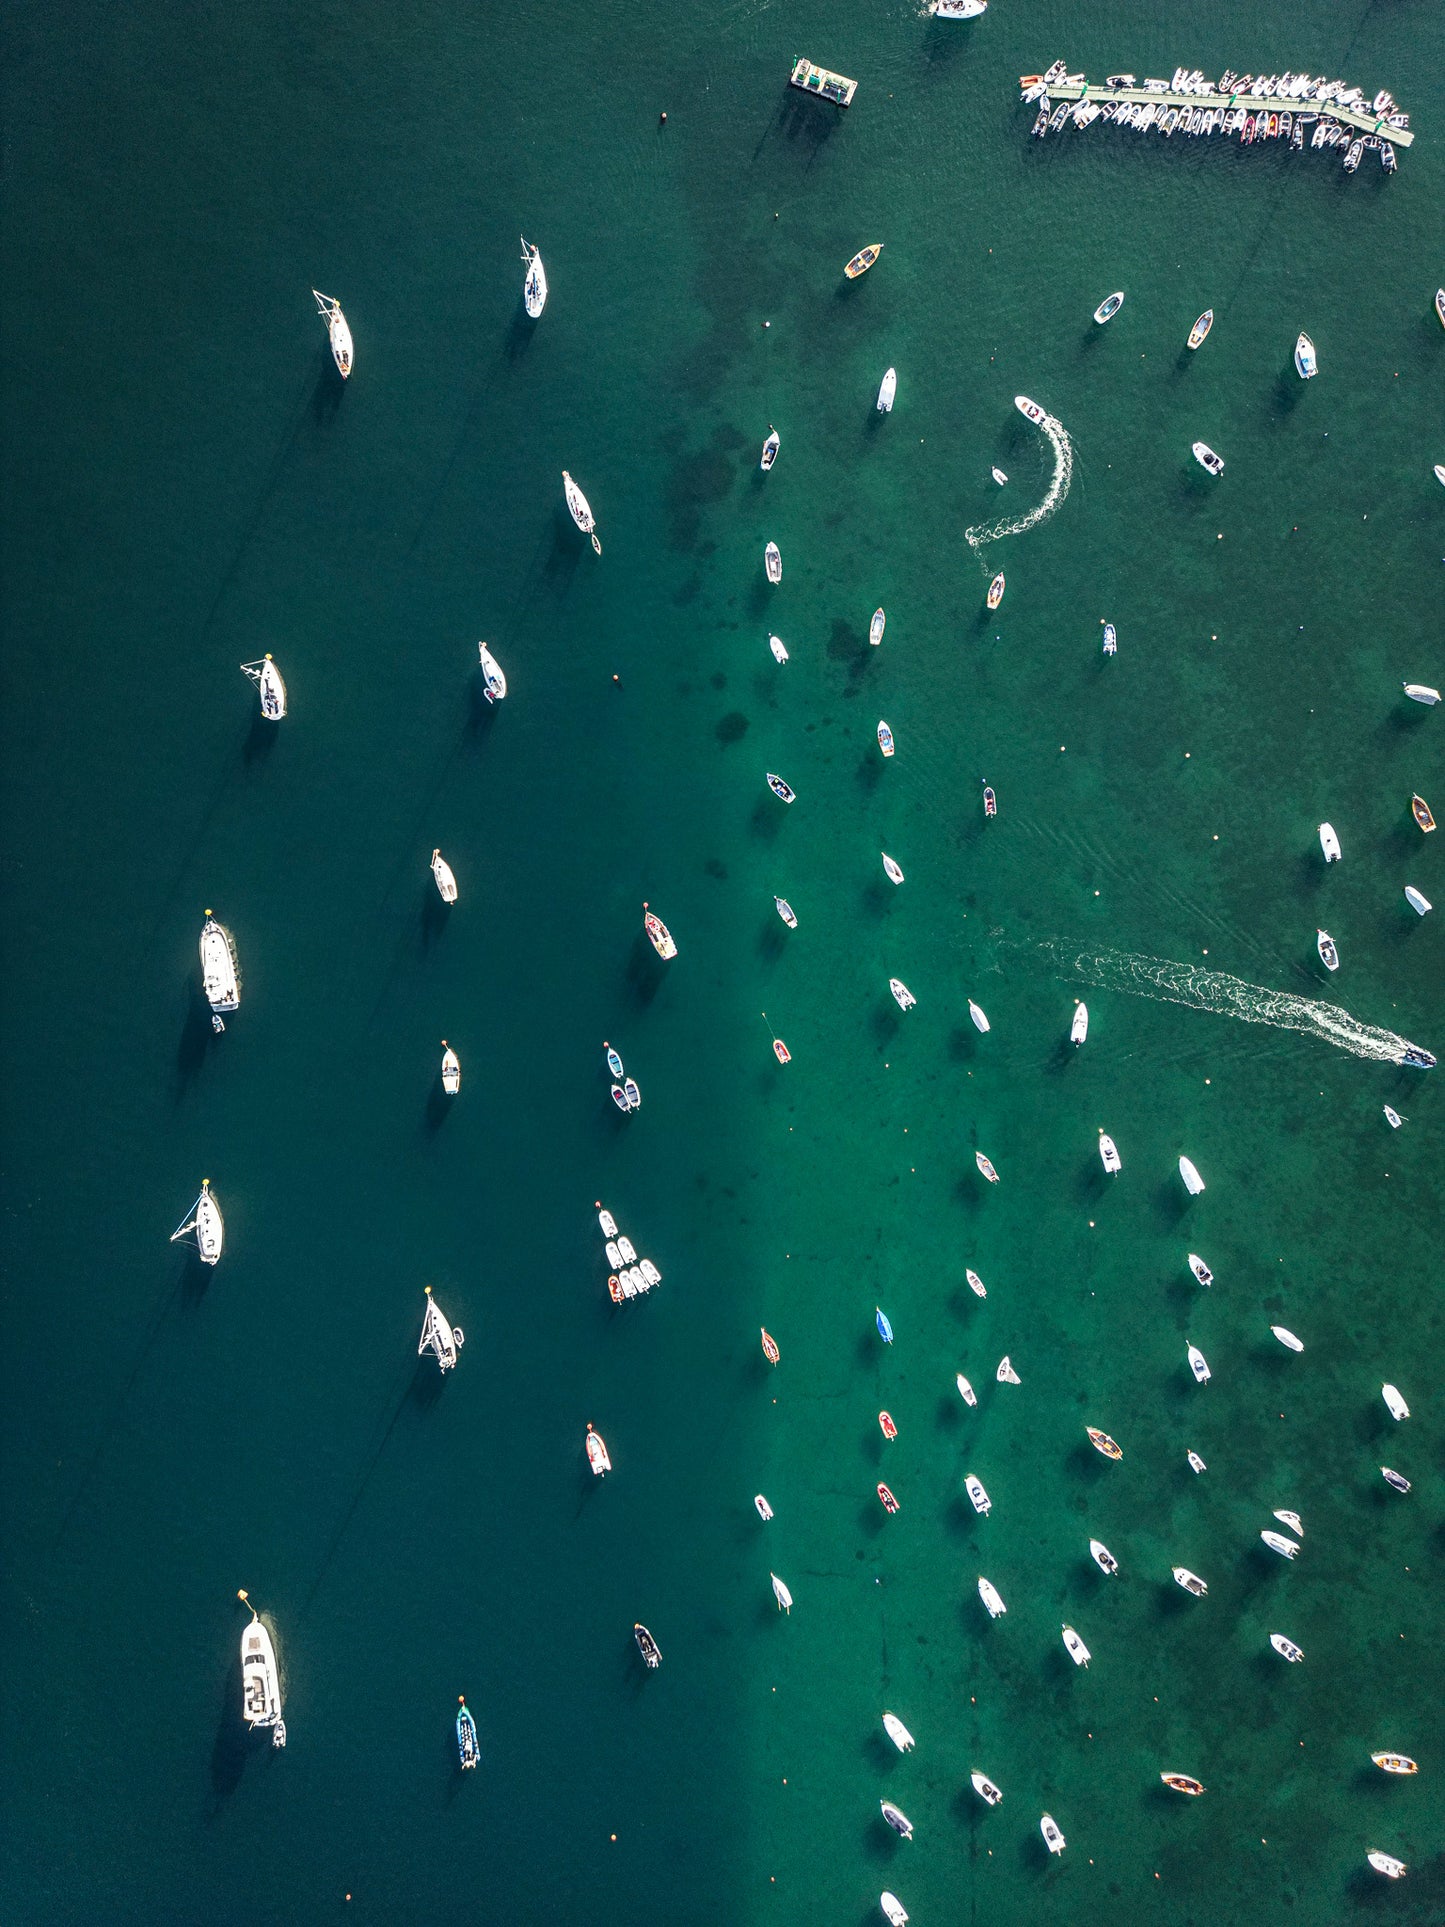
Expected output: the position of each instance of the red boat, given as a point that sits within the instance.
(890, 1504)
(614, 1286)
(781, 1051)
(890, 1430)
(990, 802)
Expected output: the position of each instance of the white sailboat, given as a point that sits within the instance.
(445, 881)
(1109, 1153)
(336, 327)
(260, 1680)
(438, 1337)
(581, 514)
(887, 389)
(991, 1598)
(1079, 1029)
(965, 1390)
(1006, 1375)
(534, 284)
(781, 1594)
(204, 1226)
(494, 682)
(269, 687)
(220, 974)
(897, 1732)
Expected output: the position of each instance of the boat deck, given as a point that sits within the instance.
(1366, 122)
(818, 81)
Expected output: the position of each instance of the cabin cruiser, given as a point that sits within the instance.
(580, 510)
(1079, 1029)
(451, 1070)
(976, 1012)
(1190, 1581)
(220, 972)
(1394, 1763)
(1207, 459)
(260, 1681)
(1200, 1269)
(781, 1594)
(1053, 1839)
(1387, 1864)
(903, 996)
(534, 282)
(597, 1454)
(979, 1499)
(765, 1511)
(1197, 1365)
(894, 1911)
(1103, 1558)
(1006, 1375)
(468, 1749)
(995, 590)
(1329, 955)
(1396, 1480)
(773, 562)
(337, 331)
(1288, 1339)
(1329, 843)
(445, 881)
(897, 1819)
(1078, 1652)
(885, 738)
(658, 934)
(1200, 329)
(1394, 1402)
(975, 1283)
(647, 1646)
(1109, 307)
(780, 789)
(893, 872)
(1101, 1442)
(779, 648)
(203, 1226)
(984, 1787)
(1305, 360)
(989, 1594)
(985, 1166)
(438, 1337)
(770, 449)
(269, 687)
(1193, 1183)
(1286, 1648)
(1109, 1153)
(786, 912)
(965, 1390)
(887, 389)
(1030, 410)
(1182, 1783)
(897, 1732)
(494, 683)
(1276, 1541)
(875, 627)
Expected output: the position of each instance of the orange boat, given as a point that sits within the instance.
(890, 1430)
(1101, 1442)
(1420, 810)
(614, 1286)
(1181, 1783)
(890, 1504)
(995, 591)
(863, 260)
(770, 1348)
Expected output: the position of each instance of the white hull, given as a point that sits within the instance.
(1305, 360)
(978, 1498)
(1103, 1558)
(894, 1911)
(1286, 1648)
(984, 1787)
(1198, 1366)
(1276, 1541)
(220, 978)
(1079, 1029)
(1421, 692)
(1395, 1403)
(1053, 1839)
(957, 9)
(897, 1732)
(875, 627)
(534, 285)
(1287, 1339)
(1109, 1154)
(891, 870)
(338, 332)
(451, 1070)
(887, 390)
(1329, 843)
(445, 881)
(765, 1511)
(597, 1454)
(980, 1020)
(773, 562)
(902, 995)
(494, 683)
(438, 1336)
(965, 1390)
(269, 687)
(975, 1284)
(607, 1222)
(1417, 901)
(1078, 1652)
(260, 1681)
(580, 511)
(779, 648)
(781, 1594)
(989, 1594)
(1193, 1183)
(204, 1226)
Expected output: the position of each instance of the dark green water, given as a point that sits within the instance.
(186, 486)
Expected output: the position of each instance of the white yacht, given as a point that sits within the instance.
(1078, 1652)
(1193, 1183)
(1102, 1557)
(1190, 1581)
(894, 1911)
(1200, 1269)
(204, 1226)
(1286, 1648)
(975, 1283)
(1079, 1029)
(897, 1732)
(902, 995)
(534, 283)
(1387, 1864)
(984, 1787)
(1006, 1375)
(1109, 1153)
(220, 974)
(781, 1594)
(1288, 1339)
(260, 1680)
(438, 1337)
(957, 9)
(337, 330)
(581, 514)
(980, 1021)
(989, 1594)
(269, 687)
(875, 627)
(965, 1390)
(773, 562)
(1394, 1402)
(892, 871)
(451, 1070)
(1053, 1839)
(1305, 359)
(1329, 843)
(1276, 1541)
(887, 389)
(494, 683)
(1197, 1365)
(978, 1498)
(445, 881)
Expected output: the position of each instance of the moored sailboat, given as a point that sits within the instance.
(204, 1226)
(534, 282)
(269, 687)
(439, 1336)
(445, 879)
(781, 1594)
(580, 509)
(494, 682)
(658, 934)
(338, 332)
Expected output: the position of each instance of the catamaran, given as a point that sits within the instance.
(534, 284)
(1079, 1029)
(451, 1070)
(494, 683)
(597, 1454)
(269, 687)
(438, 1337)
(445, 881)
(204, 1226)
(581, 513)
(887, 389)
(337, 330)
(220, 974)
(260, 1681)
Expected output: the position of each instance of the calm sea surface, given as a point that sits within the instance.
(187, 485)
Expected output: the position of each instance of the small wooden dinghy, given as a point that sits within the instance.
(1182, 1783)
(445, 881)
(1394, 1763)
(863, 260)
(1420, 810)
(451, 1070)
(773, 562)
(1200, 329)
(995, 590)
(1101, 1442)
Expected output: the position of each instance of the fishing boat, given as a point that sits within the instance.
(990, 802)
(887, 1426)
(976, 1012)
(995, 590)
(1329, 843)
(647, 1646)
(220, 973)
(445, 881)
(1197, 1365)
(885, 738)
(978, 1498)
(1074, 1646)
(891, 869)
(781, 789)
(620, 1099)
(1420, 810)
(1109, 1153)
(902, 995)
(781, 1594)
(468, 1749)
(269, 687)
(1394, 1763)
(451, 1070)
(990, 1596)
(1396, 1480)
(438, 1337)
(1079, 1029)
(1049, 1828)
(203, 1226)
(1200, 329)
(581, 513)
(984, 1787)
(1286, 1648)
(770, 449)
(337, 330)
(770, 1348)
(1109, 307)
(260, 1681)
(773, 562)
(1394, 1402)
(1421, 692)
(1103, 1558)
(658, 934)
(604, 1217)
(1200, 1269)
(1196, 1464)
(1387, 1864)
(1290, 1519)
(1006, 1375)
(1111, 640)
(765, 1511)
(779, 648)
(534, 282)
(1329, 955)
(999, 476)
(887, 389)
(894, 1911)
(975, 1283)
(1288, 1339)
(1207, 459)
(632, 1094)
(786, 912)
(494, 683)
(886, 1498)
(1030, 410)
(863, 260)
(1305, 360)
(885, 1330)
(986, 1167)
(1182, 1783)
(1193, 1183)
(1101, 1442)
(1276, 1541)
(897, 1819)
(597, 1454)
(1190, 1581)
(614, 1064)
(1393, 1118)
(965, 1390)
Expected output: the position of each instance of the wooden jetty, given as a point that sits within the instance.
(1100, 93)
(818, 81)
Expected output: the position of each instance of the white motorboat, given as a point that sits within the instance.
(1329, 954)
(607, 1222)
(989, 1594)
(1197, 1365)
(765, 1511)
(597, 1454)
(534, 282)
(1394, 1401)
(337, 330)
(1207, 459)
(220, 973)
(1078, 1652)
(1030, 410)
(999, 476)
(995, 591)
(1200, 1269)
(984, 1787)
(1109, 1153)
(1006, 1375)
(1290, 1519)
(580, 510)
(981, 1502)
(1288, 1339)
(875, 627)
(786, 912)
(1396, 1480)
(1111, 640)
(896, 1818)
(1417, 901)
(1196, 1464)
(650, 1274)
(614, 1255)
(1190, 1581)
(269, 687)
(975, 1283)
(494, 683)
(203, 1226)
(1286, 1648)
(770, 449)
(1440, 473)
(1109, 307)
(965, 1390)
(1276, 1541)
(1393, 1118)
(887, 389)
(1329, 843)
(957, 9)
(779, 648)
(1193, 1183)
(895, 875)
(451, 1070)
(897, 1732)
(784, 791)
(1305, 359)
(1421, 692)
(1049, 1828)
(980, 1021)
(902, 995)
(442, 1339)
(614, 1064)
(781, 1594)
(1079, 1029)
(773, 562)
(1386, 1863)
(445, 881)
(1200, 329)
(1103, 1558)
(260, 1680)
(885, 738)
(894, 1911)
(627, 1249)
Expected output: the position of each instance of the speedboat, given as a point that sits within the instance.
(1196, 1464)
(204, 1226)
(980, 1021)
(1207, 459)
(494, 683)
(773, 562)
(1276, 1541)
(1006, 1375)
(442, 1339)
(1288, 1339)
(1396, 1480)
(1394, 1402)
(1393, 1118)
(445, 880)
(990, 802)
(1111, 640)
(1414, 1058)
(995, 590)
(1329, 955)
(604, 1217)
(1079, 1029)
(1200, 329)
(597, 1454)
(887, 389)
(1030, 410)
(1182, 1783)
(984, 1787)
(1290, 1519)
(614, 1064)
(999, 476)
(1305, 359)
(1101, 1442)
(770, 449)
(1420, 810)
(1387, 1864)
(975, 1283)
(978, 1498)
(885, 738)
(269, 687)
(1421, 692)
(647, 1646)
(781, 1594)
(986, 1167)
(581, 513)
(1049, 1828)
(770, 1346)
(885, 1330)
(781, 789)
(260, 1681)
(779, 648)
(989, 1594)
(1078, 1652)
(786, 912)
(1329, 843)
(902, 995)
(863, 260)
(1197, 1365)
(875, 627)
(1200, 1269)
(897, 1819)
(1109, 1154)
(965, 1390)
(1352, 155)
(765, 1511)
(1103, 1558)
(451, 1070)
(1286, 1648)
(886, 1498)
(534, 282)
(1190, 1581)
(337, 330)
(658, 934)
(1109, 307)
(467, 1747)
(220, 973)
(887, 1426)
(1193, 1183)
(894, 1911)
(1394, 1763)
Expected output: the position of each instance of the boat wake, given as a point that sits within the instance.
(982, 533)
(1226, 996)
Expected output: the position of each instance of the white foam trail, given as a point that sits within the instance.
(1226, 996)
(984, 532)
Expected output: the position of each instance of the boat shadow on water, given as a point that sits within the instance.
(521, 332)
(195, 1041)
(326, 394)
(235, 1744)
(481, 714)
(434, 913)
(260, 741)
(1288, 392)
(643, 975)
(438, 1107)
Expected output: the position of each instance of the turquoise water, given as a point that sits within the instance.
(187, 486)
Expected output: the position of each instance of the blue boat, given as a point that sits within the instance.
(467, 1745)
(885, 1330)
(614, 1063)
